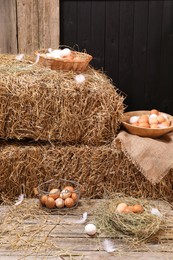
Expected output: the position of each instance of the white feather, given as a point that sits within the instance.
(83, 219)
(108, 246)
(80, 78)
(36, 61)
(20, 199)
(19, 57)
(156, 212)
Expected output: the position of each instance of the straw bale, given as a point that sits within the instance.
(42, 104)
(98, 169)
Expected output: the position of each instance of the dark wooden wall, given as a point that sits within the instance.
(132, 41)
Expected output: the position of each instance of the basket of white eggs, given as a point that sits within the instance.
(64, 59)
(58, 194)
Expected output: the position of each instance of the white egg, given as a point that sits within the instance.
(80, 78)
(90, 229)
(133, 119)
(152, 116)
(65, 52)
(162, 126)
(56, 53)
(49, 50)
(164, 115)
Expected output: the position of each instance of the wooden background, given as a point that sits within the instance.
(28, 25)
(131, 41)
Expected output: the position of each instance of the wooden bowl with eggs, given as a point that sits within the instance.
(148, 123)
(61, 194)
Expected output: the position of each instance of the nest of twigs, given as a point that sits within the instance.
(43, 104)
(136, 227)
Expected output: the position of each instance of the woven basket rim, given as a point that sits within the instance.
(86, 57)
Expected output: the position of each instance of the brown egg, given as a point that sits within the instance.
(154, 111)
(69, 188)
(138, 208)
(65, 194)
(121, 207)
(154, 126)
(69, 202)
(59, 203)
(135, 124)
(144, 124)
(160, 119)
(130, 208)
(54, 193)
(50, 203)
(43, 199)
(143, 119)
(74, 196)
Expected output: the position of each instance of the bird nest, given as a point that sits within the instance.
(137, 227)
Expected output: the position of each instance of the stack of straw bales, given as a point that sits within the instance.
(52, 126)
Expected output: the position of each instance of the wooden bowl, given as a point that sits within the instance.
(142, 131)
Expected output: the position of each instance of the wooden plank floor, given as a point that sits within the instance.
(57, 236)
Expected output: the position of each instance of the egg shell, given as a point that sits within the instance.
(65, 194)
(152, 115)
(133, 119)
(144, 124)
(65, 52)
(69, 188)
(69, 202)
(43, 199)
(74, 196)
(162, 126)
(153, 120)
(90, 229)
(143, 119)
(130, 208)
(166, 123)
(54, 193)
(50, 203)
(164, 115)
(154, 111)
(135, 124)
(160, 119)
(59, 203)
(153, 126)
(121, 207)
(138, 208)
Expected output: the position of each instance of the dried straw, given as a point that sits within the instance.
(42, 104)
(26, 165)
(24, 228)
(133, 227)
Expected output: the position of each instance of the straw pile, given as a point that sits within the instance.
(96, 168)
(42, 104)
(133, 227)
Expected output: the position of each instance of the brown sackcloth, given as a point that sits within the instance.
(153, 157)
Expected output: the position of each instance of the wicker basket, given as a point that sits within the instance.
(145, 132)
(45, 188)
(77, 61)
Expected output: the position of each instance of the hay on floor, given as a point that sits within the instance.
(42, 104)
(97, 169)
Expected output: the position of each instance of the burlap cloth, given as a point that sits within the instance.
(153, 157)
